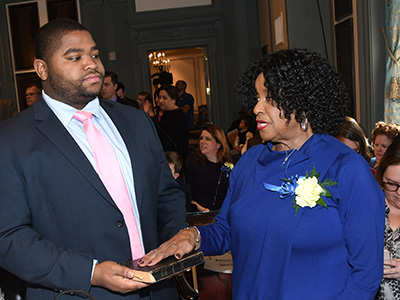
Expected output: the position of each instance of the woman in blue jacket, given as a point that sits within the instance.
(304, 216)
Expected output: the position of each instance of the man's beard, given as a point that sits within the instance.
(70, 93)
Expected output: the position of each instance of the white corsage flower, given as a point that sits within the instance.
(308, 192)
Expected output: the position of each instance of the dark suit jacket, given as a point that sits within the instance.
(56, 216)
(128, 101)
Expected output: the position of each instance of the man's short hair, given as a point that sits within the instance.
(48, 37)
(34, 85)
(147, 96)
(114, 76)
(120, 85)
(184, 83)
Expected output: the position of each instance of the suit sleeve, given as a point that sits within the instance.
(22, 250)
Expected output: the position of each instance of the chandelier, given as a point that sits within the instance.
(158, 61)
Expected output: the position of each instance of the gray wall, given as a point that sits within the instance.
(231, 35)
(305, 31)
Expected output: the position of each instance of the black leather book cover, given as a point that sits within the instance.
(165, 268)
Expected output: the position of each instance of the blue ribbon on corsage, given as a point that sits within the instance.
(307, 190)
(287, 188)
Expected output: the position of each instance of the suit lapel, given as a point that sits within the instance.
(50, 126)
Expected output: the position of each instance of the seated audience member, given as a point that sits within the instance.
(255, 140)
(175, 163)
(383, 135)
(244, 135)
(352, 135)
(205, 169)
(172, 128)
(32, 94)
(235, 123)
(388, 176)
(120, 92)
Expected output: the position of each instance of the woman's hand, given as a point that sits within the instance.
(183, 242)
(148, 108)
(199, 207)
(394, 271)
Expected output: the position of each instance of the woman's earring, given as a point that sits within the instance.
(304, 124)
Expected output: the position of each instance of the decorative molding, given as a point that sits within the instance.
(174, 33)
(118, 1)
(93, 3)
(174, 18)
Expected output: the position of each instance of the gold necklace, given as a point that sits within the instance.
(287, 156)
(296, 148)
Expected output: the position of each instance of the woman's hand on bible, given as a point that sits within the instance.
(394, 271)
(183, 242)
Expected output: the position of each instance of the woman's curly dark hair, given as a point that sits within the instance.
(299, 82)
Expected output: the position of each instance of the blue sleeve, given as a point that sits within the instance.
(216, 237)
(362, 212)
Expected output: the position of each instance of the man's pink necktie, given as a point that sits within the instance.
(110, 174)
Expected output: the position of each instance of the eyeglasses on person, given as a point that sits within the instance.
(390, 186)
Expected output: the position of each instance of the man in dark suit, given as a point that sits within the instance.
(120, 92)
(59, 227)
(110, 87)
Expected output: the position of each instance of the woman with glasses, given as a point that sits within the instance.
(388, 176)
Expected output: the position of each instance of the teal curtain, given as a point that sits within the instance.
(392, 83)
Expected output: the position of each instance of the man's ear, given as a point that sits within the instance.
(41, 68)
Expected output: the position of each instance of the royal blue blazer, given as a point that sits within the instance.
(318, 253)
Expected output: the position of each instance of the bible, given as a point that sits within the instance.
(165, 268)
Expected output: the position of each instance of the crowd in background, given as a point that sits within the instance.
(203, 171)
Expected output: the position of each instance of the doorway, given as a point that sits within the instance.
(189, 65)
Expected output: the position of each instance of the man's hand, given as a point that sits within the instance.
(185, 108)
(115, 277)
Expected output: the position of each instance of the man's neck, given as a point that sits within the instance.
(180, 93)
